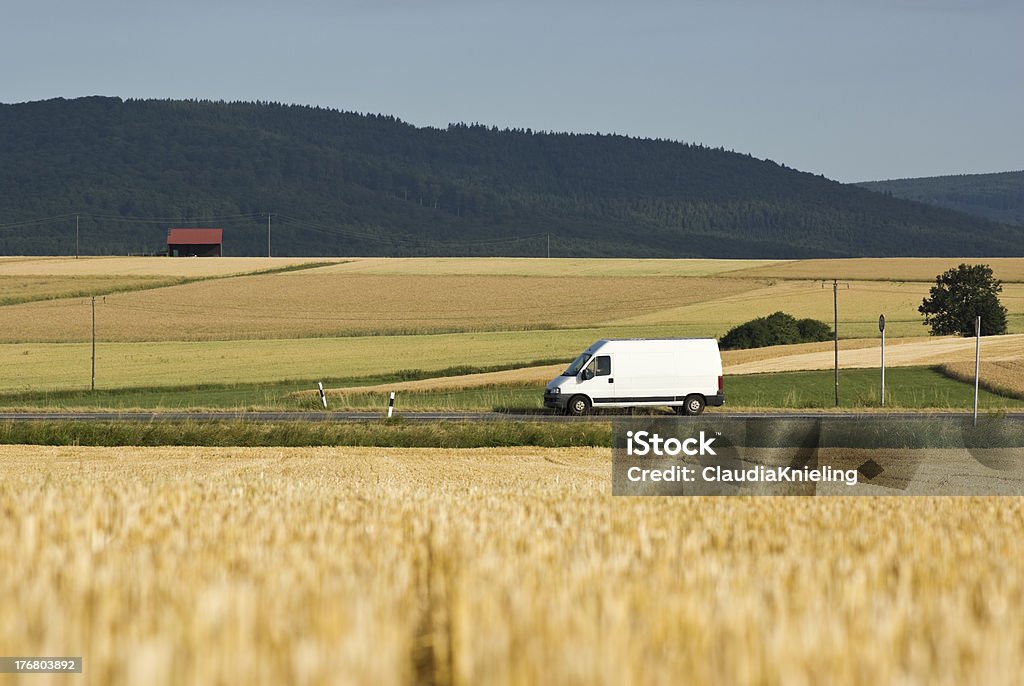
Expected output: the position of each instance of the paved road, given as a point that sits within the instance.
(423, 416)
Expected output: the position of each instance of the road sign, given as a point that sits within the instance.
(881, 322)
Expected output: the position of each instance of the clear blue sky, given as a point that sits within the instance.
(855, 90)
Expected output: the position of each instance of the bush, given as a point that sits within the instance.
(778, 328)
(813, 330)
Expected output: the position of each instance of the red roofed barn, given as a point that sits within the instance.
(195, 243)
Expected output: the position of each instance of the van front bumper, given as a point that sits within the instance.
(555, 400)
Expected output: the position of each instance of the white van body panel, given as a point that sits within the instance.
(642, 372)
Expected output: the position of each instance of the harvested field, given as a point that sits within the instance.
(384, 566)
(934, 351)
(310, 303)
(530, 266)
(147, 266)
(1005, 377)
(22, 289)
(1007, 269)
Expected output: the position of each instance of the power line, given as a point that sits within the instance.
(35, 222)
(173, 220)
(393, 239)
(399, 238)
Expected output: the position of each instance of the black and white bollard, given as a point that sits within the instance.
(323, 396)
(391, 404)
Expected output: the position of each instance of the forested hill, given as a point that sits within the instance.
(347, 184)
(999, 197)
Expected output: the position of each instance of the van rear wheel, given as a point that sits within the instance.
(694, 404)
(578, 406)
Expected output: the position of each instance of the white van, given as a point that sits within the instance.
(682, 373)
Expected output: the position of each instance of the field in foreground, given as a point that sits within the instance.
(277, 566)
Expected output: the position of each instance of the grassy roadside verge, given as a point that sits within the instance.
(907, 388)
(994, 431)
(393, 433)
(249, 396)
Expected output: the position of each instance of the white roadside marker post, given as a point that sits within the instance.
(391, 404)
(323, 396)
(977, 363)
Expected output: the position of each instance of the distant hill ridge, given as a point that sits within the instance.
(998, 197)
(340, 183)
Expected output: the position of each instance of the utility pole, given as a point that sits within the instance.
(835, 331)
(549, 245)
(92, 384)
(268, 234)
(76, 236)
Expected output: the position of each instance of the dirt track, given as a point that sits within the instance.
(906, 353)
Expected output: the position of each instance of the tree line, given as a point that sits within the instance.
(361, 184)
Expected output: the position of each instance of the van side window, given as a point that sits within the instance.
(604, 365)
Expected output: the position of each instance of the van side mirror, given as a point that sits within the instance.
(587, 374)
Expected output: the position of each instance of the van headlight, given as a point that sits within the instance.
(554, 391)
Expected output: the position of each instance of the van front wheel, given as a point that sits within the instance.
(578, 406)
(693, 405)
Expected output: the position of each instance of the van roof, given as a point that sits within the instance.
(701, 343)
(612, 340)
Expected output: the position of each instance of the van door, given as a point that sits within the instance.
(597, 381)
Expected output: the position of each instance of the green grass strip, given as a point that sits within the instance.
(391, 433)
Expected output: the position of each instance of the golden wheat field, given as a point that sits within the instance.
(501, 566)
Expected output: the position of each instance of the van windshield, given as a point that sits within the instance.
(578, 364)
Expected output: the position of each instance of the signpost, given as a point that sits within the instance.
(881, 328)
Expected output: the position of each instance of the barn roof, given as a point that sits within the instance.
(195, 236)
